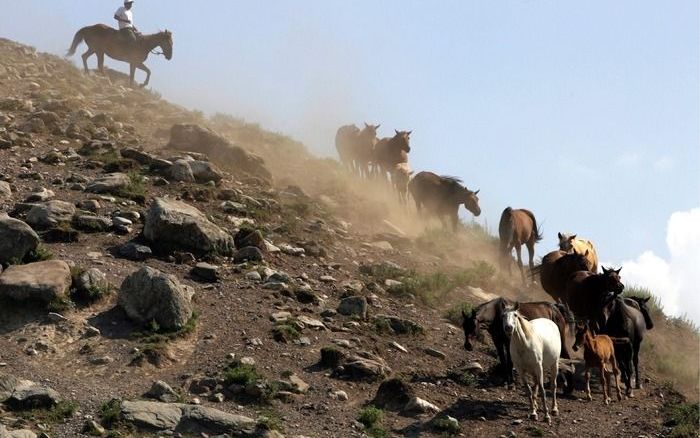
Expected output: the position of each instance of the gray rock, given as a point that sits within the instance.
(206, 272)
(353, 306)
(17, 239)
(204, 172)
(163, 392)
(92, 223)
(18, 433)
(134, 251)
(435, 353)
(5, 190)
(92, 205)
(365, 368)
(248, 254)
(41, 195)
(91, 281)
(29, 395)
(397, 325)
(41, 281)
(149, 294)
(111, 183)
(174, 225)
(419, 405)
(50, 214)
(185, 418)
(180, 171)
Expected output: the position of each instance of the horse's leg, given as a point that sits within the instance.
(520, 261)
(540, 382)
(533, 400)
(531, 254)
(635, 358)
(101, 62)
(85, 57)
(615, 372)
(553, 373)
(587, 374)
(606, 396)
(143, 67)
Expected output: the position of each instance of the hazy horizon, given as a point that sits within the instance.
(587, 114)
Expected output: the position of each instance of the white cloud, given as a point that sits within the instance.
(664, 164)
(676, 280)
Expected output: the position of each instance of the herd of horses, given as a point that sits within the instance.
(531, 339)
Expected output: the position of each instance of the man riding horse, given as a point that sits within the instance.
(125, 17)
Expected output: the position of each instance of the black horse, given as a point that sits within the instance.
(488, 316)
(626, 318)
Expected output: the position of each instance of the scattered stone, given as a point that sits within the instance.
(134, 251)
(435, 353)
(417, 404)
(27, 395)
(46, 281)
(294, 384)
(353, 306)
(327, 279)
(339, 395)
(41, 195)
(173, 225)
(474, 367)
(253, 276)
(17, 239)
(100, 360)
(50, 214)
(393, 395)
(206, 272)
(92, 223)
(93, 428)
(398, 346)
(311, 322)
(149, 294)
(247, 237)
(399, 326)
(280, 316)
(112, 183)
(365, 368)
(163, 392)
(91, 282)
(248, 254)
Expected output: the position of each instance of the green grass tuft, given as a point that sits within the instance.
(683, 419)
(240, 374)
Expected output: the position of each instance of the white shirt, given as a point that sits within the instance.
(125, 14)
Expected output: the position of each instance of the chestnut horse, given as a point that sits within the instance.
(103, 40)
(598, 352)
(388, 152)
(571, 243)
(488, 316)
(442, 196)
(517, 228)
(556, 268)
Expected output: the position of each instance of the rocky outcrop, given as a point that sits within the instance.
(41, 281)
(111, 183)
(50, 214)
(188, 137)
(150, 295)
(173, 225)
(17, 239)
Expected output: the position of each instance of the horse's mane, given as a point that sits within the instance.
(453, 183)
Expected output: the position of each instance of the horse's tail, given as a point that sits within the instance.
(535, 228)
(505, 227)
(77, 39)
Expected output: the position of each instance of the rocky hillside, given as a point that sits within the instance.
(165, 274)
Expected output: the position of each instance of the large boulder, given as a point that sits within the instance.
(185, 418)
(188, 137)
(5, 190)
(148, 294)
(17, 239)
(41, 281)
(110, 183)
(174, 225)
(50, 214)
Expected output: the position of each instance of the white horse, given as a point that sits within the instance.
(534, 347)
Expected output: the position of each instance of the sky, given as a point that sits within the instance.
(586, 113)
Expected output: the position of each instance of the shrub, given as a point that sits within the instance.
(40, 254)
(445, 425)
(683, 418)
(110, 413)
(135, 190)
(454, 313)
(240, 374)
(370, 417)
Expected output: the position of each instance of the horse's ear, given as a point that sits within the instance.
(617, 271)
(366, 125)
(396, 131)
(409, 132)
(477, 192)
(586, 253)
(605, 271)
(377, 127)
(572, 237)
(559, 235)
(516, 306)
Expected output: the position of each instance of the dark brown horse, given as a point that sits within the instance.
(620, 318)
(103, 40)
(587, 293)
(556, 268)
(517, 228)
(488, 317)
(388, 152)
(442, 196)
(356, 147)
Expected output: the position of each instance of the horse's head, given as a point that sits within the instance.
(471, 327)
(165, 41)
(471, 201)
(612, 281)
(402, 139)
(370, 130)
(581, 329)
(509, 314)
(566, 241)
